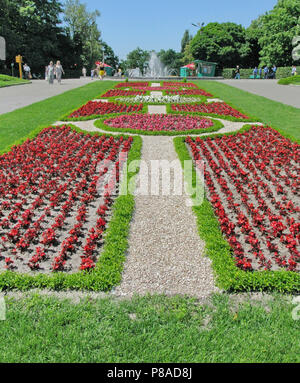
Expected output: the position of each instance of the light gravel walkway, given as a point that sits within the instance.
(289, 95)
(157, 109)
(165, 255)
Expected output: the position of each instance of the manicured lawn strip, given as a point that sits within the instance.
(10, 81)
(227, 275)
(223, 117)
(275, 114)
(290, 80)
(21, 122)
(163, 330)
(107, 272)
(97, 116)
(100, 124)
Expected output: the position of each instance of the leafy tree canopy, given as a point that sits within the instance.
(275, 31)
(223, 43)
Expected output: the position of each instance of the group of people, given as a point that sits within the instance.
(52, 71)
(266, 72)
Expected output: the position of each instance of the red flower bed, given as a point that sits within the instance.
(159, 122)
(252, 181)
(56, 193)
(123, 93)
(131, 85)
(219, 108)
(190, 92)
(100, 108)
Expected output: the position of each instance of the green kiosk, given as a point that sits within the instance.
(199, 68)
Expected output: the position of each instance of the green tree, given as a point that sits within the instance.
(223, 43)
(109, 55)
(31, 28)
(171, 59)
(275, 31)
(187, 57)
(187, 37)
(82, 28)
(138, 58)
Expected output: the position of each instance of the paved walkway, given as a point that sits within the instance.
(15, 97)
(286, 94)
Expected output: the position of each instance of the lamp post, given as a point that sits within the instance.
(198, 25)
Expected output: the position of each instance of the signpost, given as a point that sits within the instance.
(2, 49)
(19, 61)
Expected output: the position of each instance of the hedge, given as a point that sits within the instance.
(282, 72)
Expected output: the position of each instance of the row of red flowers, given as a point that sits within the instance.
(159, 122)
(123, 93)
(56, 193)
(174, 84)
(219, 108)
(130, 84)
(252, 181)
(101, 108)
(190, 92)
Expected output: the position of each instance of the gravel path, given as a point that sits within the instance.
(157, 109)
(165, 255)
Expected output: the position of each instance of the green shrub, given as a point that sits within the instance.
(282, 72)
(290, 80)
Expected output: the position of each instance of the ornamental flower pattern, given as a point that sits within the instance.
(252, 181)
(159, 122)
(56, 195)
(218, 108)
(102, 108)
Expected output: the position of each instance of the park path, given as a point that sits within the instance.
(286, 94)
(166, 254)
(19, 96)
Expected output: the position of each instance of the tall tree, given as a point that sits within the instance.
(275, 32)
(138, 58)
(171, 59)
(187, 37)
(83, 30)
(223, 43)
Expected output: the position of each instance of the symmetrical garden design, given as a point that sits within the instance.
(64, 225)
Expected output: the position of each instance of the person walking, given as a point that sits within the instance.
(101, 72)
(266, 71)
(27, 74)
(294, 70)
(50, 72)
(59, 71)
(260, 73)
(237, 73)
(92, 74)
(274, 70)
(255, 71)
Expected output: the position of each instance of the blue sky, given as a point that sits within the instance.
(160, 24)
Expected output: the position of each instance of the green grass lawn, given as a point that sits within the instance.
(9, 81)
(150, 329)
(278, 116)
(19, 123)
(293, 80)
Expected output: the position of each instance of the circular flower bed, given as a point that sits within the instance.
(159, 122)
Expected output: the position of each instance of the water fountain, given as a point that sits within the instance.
(155, 69)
